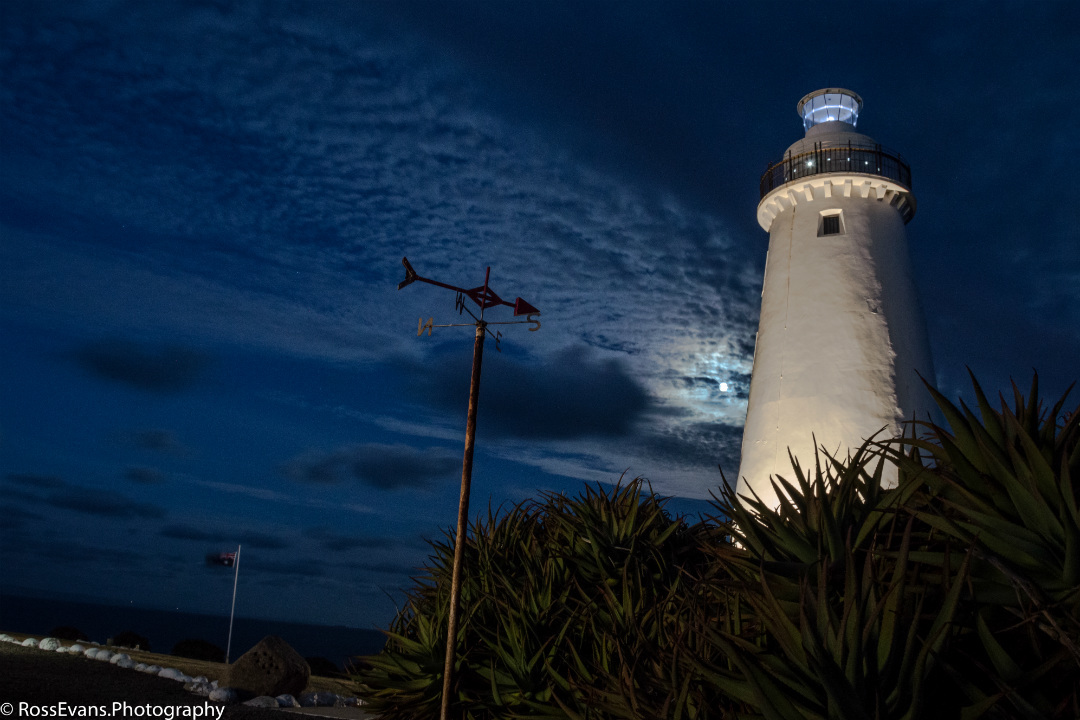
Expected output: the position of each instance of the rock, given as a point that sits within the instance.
(90, 652)
(103, 655)
(49, 644)
(152, 669)
(200, 679)
(140, 667)
(321, 699)
(118, 657)
(199, 688)
(263, 701)
(29, 642)
(76, 648)
(172, 674)
(223, 695)
(270, 668)
(126, 663)
(287, 701)
(4, 637)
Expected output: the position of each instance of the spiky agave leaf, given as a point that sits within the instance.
(840, 603)
(629, 560)
(815, 511)
(564, 601)
(1002, 481)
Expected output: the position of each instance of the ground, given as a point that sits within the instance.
(44, 678)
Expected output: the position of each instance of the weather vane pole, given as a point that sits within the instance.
(485, 297)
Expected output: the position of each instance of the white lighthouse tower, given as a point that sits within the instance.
(841, 338)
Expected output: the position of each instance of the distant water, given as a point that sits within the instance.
(37, 616)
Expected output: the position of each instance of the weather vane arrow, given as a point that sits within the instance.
(485, 297)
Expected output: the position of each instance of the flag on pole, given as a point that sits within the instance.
(227, 559)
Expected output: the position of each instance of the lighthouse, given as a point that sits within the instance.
(841, 340)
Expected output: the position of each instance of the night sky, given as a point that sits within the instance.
(204, 206)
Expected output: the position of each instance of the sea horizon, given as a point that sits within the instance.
(38, 614)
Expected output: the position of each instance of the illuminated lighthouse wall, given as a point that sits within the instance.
(841, 335)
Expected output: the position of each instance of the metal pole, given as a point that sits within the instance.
(462, 518)
(236, 576)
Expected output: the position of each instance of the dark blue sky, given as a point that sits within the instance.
(204, 205)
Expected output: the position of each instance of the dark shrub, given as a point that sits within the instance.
(953, 594)
(66, 632)
(557, 594)
(322, 667)
(198, 650)
(131, 639)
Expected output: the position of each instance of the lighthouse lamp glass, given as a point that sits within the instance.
(830, 107)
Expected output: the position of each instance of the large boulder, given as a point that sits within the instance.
(270, 668)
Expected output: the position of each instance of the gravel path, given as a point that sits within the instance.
(41, 678)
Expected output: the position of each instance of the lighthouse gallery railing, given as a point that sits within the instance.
(830, 157)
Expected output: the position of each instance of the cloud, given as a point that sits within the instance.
(248, 538)
(705, 445)
(332, 541)
(15, 517)
(144, 475)
(62, 551)
(259, 493)
(273, 496)
(570, 395)
(261, 540)
(102, 503)
(386, 467)
(186, 532)
(160, 369)
(36, 481)
(56, 492)
(298, 567)
(157, 440)
(397, 569)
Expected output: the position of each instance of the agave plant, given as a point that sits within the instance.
(562, 604)
(1004, 482)
(631, 564)
(848, 600)
(836, 616)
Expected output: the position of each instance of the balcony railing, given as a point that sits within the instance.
(827, 157)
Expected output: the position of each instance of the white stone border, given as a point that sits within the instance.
(200, 685)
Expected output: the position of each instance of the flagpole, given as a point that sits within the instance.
(236, 576)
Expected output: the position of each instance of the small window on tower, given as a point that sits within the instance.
(830, 222)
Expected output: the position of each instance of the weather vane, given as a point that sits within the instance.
(485, 297)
